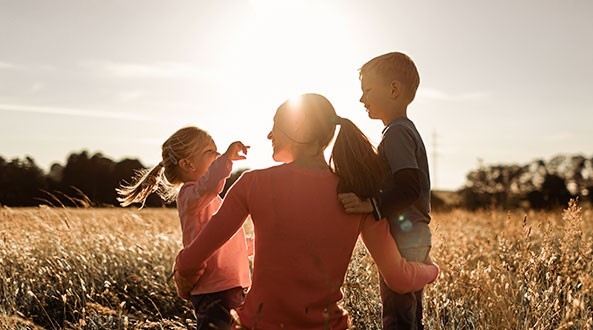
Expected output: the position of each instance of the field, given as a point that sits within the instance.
(108, 269)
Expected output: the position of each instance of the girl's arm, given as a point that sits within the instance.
(211, 183)
(190, 261)
(399, 274)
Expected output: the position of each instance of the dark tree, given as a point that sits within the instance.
(21, 182)
(555, 192)
(93, 179)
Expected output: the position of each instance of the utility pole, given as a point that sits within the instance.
(434, 158)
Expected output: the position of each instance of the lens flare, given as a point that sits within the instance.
(404, 223)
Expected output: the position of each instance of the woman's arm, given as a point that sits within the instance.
(190, 261)
(399, 274)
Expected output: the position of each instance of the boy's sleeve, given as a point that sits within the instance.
(399, 147)
(406, 191)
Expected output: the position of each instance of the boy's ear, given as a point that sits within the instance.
(396, 89)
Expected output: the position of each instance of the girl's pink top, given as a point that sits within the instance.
(228, 267)
(303, 245)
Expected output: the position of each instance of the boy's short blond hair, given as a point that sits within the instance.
(394, 66)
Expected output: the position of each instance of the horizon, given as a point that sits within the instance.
(236, 168)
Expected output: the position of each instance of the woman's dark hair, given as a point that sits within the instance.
(354, 159)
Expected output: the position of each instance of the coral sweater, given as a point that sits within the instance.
(303, 245)
(228, 267)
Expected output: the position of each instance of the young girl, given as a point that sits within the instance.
(190, 161)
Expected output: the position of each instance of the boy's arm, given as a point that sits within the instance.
(406, 191)
(388, 202)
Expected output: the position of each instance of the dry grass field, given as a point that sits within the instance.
(108, 269)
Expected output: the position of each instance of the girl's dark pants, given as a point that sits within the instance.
(213, 309)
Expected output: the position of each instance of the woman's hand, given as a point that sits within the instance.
(184, 285)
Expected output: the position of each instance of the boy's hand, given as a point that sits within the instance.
(353, 204)
(234, 149)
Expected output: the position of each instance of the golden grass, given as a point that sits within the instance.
(108, 268)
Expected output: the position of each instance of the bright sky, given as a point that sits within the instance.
(501, 81)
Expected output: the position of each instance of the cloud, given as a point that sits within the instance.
(439, 95)
(560, 137)
(141, 70)
(75, 112)
(130, 95)
(6, 65)
(37, 87)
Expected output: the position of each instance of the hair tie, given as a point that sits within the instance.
(336, 120)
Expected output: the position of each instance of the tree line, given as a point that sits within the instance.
(90, 180)
(538, 184)
(85, 180)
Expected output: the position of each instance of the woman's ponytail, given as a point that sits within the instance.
(354, 159)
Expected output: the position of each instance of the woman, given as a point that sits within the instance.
(303, 237)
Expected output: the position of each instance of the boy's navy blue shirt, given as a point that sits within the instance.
(403, 150)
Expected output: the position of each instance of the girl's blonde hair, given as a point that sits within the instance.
(354, 159)
(165, 178)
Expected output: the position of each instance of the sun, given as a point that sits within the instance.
(290, 48)
(283, 49)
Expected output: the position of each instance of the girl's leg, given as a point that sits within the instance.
(213, 309)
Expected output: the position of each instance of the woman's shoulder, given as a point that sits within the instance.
(266, 171)
(286, 171)
(260, 174)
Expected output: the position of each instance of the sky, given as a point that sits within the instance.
(502, 82)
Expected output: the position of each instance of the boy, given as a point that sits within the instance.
(389, 83)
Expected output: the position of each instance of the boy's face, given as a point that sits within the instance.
(376, 96)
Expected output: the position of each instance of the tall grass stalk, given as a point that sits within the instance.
(108, 268)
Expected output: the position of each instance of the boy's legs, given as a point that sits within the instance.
(404, 311)
(213, 309)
